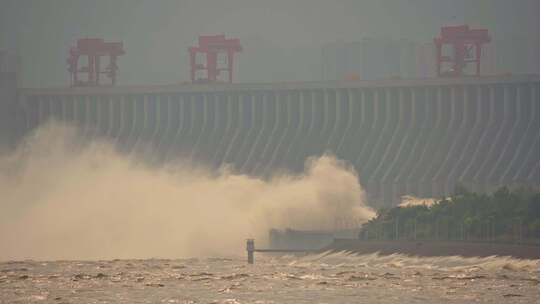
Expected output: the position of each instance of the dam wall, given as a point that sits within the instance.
(416, 137)
(8, 106)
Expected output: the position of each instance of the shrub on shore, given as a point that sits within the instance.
(504, 215)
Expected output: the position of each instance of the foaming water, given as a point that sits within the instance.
(64, 198)
(447, 263)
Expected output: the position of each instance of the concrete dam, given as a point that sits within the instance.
(415, 137)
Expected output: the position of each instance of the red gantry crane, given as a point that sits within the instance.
(211, 47)
(93, 49)
(466, 47)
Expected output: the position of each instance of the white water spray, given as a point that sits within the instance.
(61, 200)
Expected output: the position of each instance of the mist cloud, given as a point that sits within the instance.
(64, 198)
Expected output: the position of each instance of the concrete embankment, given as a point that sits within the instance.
(436, 248)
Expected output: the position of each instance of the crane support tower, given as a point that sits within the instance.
(211, 47)
(466, 47)
(93, 49)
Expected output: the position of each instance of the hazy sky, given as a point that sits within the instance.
(281, 38)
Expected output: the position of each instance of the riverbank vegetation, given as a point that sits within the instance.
(504, 215)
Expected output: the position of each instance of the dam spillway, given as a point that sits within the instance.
(415, 137)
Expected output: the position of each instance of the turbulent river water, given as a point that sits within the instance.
(324, 278)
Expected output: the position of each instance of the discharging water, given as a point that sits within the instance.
(325, 278)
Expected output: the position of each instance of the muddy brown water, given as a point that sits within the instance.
(323, 278)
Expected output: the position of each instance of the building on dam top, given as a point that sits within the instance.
(382, 58)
